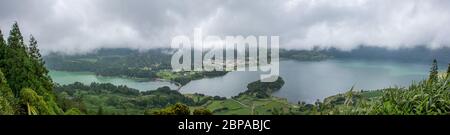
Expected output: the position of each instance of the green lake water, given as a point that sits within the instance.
(63, 77)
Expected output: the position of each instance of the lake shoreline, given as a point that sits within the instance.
(300, 76)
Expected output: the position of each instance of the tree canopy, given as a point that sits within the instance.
(434, 72)
(25, 84)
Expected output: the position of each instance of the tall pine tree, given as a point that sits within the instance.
(3, 47)
(433, 72)
(41, 73)
(39, 65)
(19, 69)
(24, 70)
(15, 39)
(3, 50)
(33, 50)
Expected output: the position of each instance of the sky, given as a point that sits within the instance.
(77, 26)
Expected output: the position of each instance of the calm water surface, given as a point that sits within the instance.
(308, 81)
(63, 77)
(304, 81)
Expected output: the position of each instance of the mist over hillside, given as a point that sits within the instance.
(414, 54)
(417, 54)
(80, 26)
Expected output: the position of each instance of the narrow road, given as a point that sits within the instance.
(240, 103)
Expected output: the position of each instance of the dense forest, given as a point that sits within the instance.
(107, 99)
(113, 62)
(416, 54)
(25, 87)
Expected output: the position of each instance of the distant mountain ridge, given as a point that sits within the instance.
(415, 54)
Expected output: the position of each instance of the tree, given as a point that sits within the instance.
(25, 84)
(3, 48)
(49, 98)
(5, 91)
(100, 111)
(32, 103)
(5, 107)
(433, 72)
(18, 67)
(202, 111)
(36, 56)
(15, 39)
(73, 111)
(181, 109)
(32, 49)
(39, 65)
(6, 97)
(177, 109)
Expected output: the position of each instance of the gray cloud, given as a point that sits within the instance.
(84, 25)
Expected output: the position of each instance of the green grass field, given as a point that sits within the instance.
(244, 105)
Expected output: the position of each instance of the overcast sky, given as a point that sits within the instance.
(84, 25)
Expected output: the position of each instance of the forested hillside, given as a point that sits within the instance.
(416, 54)
(114, 62)
(107, 99)
(25, 86)
(123, 62)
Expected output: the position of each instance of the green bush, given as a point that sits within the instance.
(202, 111)
(177, 109)
(73, 111)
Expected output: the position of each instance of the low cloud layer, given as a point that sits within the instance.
(75, 26)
